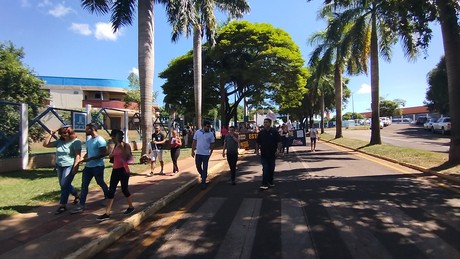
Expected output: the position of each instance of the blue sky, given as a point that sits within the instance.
(62, 39)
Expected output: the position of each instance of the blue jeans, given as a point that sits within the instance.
(268, 169)
(201, 162)
(65, 178)
(88, 174)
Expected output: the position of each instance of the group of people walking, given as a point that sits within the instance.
(270, 143)
(68, 161)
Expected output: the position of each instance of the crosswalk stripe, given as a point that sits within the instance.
(360, 241)
(240, 236)
(182, 241)
(421, 234)
(295, 233)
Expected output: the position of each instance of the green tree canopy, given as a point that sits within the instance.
(391, 107)
(18, 84)
(253, 61)
(437, 96)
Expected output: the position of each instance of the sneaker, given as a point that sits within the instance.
(128, 211)
(150, 174)
(78, 209)
(161, 172)
(60, 210)
(103, 217)
(271, 185)
(203, 186)
(263, 187)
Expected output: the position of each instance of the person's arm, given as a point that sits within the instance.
(76, 161)
(102, 153)
(127, 151)
(224, 147)
(193, 147)
(48, 142)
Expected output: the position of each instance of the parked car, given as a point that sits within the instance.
(428, 124)
(441, 125)
(421, 120)
(386, 121)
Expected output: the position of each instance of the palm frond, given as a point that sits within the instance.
(122, 13)
(96, 6)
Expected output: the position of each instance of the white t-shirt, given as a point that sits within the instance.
(313, 132)
(203, 142)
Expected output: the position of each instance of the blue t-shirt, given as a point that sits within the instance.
(92, 149)
(65, 152)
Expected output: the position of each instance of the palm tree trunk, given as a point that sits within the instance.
(146, 67)
(375, 95)
(451, 40)
(197, 74)
(338, 100)
(322, 111)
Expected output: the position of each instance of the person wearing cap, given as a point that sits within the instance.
(121, 154)
(68, 154)
(269, 142)
(202, 147)
(96, 150)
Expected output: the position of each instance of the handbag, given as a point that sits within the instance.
(130, 160)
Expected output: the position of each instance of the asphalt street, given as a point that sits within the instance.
(332, 203)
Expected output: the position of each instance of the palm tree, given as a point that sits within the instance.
(197, 17)
(370, 33)
(334, 54)
(122, 14)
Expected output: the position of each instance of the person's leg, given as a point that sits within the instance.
(271, 170)
(160, 157)
(153, 162)
(314, 144)
(264, 162)
(198, 164)
(86, 178)
(124, 180)
(66, 184)
(311, 144)
(232, 159)
(99, 176)
(205, 167)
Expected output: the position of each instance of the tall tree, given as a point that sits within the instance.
(370, 33)
(437, 94)
(334, 53)
(197, 17)
(122, 14)
(18, 84)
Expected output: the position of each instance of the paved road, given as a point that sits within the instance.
(328, 204)
(403, 135)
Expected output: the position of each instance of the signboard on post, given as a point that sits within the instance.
(79, 121)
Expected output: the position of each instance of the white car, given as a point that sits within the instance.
(428, 124)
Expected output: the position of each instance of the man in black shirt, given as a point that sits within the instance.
(156, 150)
(269, 142)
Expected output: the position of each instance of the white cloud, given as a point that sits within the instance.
(134, 70)
(43, 3)
(364, 89)
(81, 28)
(104, 31)
(59, 10)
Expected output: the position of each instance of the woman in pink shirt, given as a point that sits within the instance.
(121, 153)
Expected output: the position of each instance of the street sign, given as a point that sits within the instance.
(79, 121)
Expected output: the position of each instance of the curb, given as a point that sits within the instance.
(412, 166)
(98, 245)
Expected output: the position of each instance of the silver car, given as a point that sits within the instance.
(428, 124)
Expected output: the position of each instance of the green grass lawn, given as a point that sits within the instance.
(24, 190)
(427, 159)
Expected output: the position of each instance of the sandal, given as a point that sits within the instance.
(76, 200)
(60, 210)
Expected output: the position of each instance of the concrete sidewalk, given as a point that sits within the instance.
(41, 234)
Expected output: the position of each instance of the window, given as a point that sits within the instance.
(97, 96)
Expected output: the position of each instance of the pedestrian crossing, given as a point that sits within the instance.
(368, 229)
